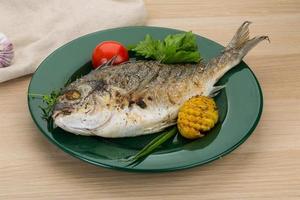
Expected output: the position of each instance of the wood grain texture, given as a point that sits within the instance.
(266, 166)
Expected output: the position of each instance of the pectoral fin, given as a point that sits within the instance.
(216, 90)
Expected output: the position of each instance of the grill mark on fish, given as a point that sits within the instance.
(101, 85)
(161, 75)
(176, 73)
(154, 75)
(191, 70)
(181, 74)
(130, 103)
(166, 76)
(66, 112)
(145, 83)
(143, 71)
(141, 103)
(97, 86)
(136, 99)
(141, 78)
(118, 94)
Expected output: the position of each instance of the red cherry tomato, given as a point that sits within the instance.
(108, 49)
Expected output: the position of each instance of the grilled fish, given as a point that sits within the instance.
(143, 97)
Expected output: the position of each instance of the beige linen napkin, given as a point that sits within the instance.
(38, 27)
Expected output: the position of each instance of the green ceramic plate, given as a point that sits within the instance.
(240, 106)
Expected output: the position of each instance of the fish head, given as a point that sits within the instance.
(82, 107)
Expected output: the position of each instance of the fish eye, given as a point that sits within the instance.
(73, 95)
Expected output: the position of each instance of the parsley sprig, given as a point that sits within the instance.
(49, 101)
(175, 48)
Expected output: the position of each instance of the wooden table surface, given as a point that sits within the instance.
(266, 166)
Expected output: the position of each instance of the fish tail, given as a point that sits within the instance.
(234, 52)
(241, 43)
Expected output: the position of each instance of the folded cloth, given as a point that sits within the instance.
(36, 28)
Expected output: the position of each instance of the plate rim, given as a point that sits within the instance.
(125, 168)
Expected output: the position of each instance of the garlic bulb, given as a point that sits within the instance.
(6, 51)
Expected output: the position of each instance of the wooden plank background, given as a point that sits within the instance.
(266, 166)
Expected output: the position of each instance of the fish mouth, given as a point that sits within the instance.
(85, 127)
(64, 112)
(75, 130)
(62, 109)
